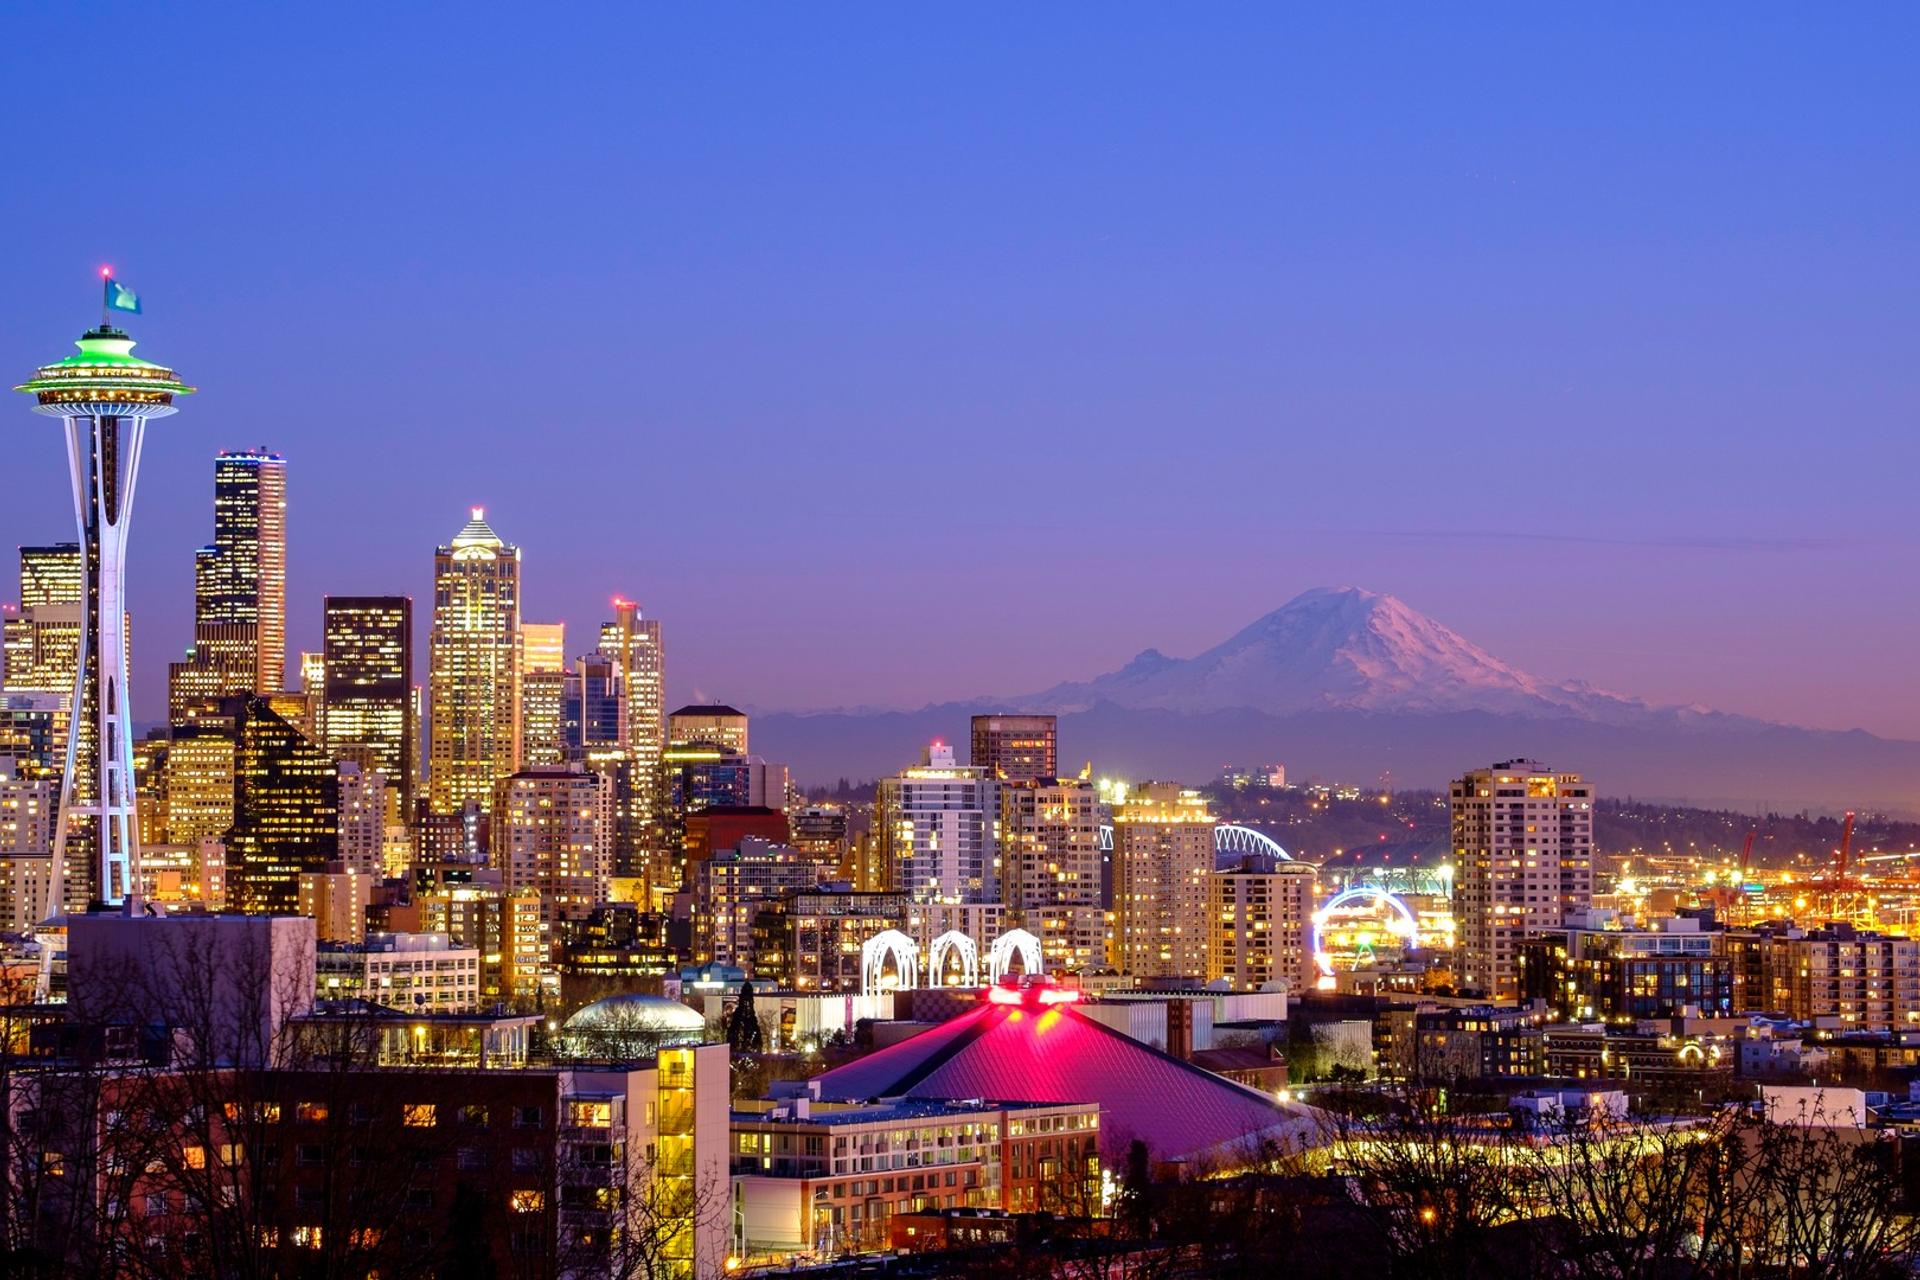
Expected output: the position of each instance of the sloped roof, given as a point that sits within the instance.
(477, 532)
(1038, 1053)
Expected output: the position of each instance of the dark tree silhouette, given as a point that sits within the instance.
(743, 1028)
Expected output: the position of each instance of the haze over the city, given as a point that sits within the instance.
(892, 357)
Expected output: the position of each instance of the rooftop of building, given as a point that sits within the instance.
(638, 1011)
(883, 1112)
(374, 1011)
(707, 709)
(396, 943)
(477, 532)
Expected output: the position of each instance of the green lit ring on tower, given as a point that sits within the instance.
(104, 380)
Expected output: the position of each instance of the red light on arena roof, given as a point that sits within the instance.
(106, 273)
(1038, 993)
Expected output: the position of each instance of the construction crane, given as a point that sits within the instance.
(1725, 898)
(1835, 890)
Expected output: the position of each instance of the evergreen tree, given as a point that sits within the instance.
(743, 1028)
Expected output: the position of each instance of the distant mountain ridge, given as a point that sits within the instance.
(1349, 684)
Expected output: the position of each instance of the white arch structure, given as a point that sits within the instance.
(951, 941)
(1009, 944)
(874, 953)
(1228, 838)
(1400, 920)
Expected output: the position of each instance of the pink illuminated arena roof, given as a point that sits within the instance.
(1030, 1051)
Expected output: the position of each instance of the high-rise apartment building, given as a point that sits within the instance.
(1523, 853)
(474, 682)
(1017, 748)
(1260, 924)
(543, 688)
(366, 700)
(552, 832)
(714, 723)
(286, 809)
(1050, 867)
(1162, 856)
(936, 827)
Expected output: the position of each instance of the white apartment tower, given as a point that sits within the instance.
(936, 827)
(1523, 852)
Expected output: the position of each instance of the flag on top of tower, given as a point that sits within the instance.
(119, 297)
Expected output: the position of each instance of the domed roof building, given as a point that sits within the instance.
(632, 1024)
(638, 1009)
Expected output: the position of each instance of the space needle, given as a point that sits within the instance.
(105, 396)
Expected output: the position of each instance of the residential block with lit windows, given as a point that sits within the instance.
(1260, 924)
(1523, 846)
(1162, 857)
(827, 1178)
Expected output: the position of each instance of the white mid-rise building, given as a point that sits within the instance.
(417, 972)
(936, 825)
(363, 819)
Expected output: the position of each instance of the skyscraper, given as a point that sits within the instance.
(543, 687)
(105, 395)
(634, 642)
(1017, 748)
(239, 590)
(366, 696)
(1162, 856)
(286, 808)
(1523, 852)
(936, 828)
(246, 583)
(474, 678)
(642, 847)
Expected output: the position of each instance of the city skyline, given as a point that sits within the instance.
(1360, 519)
(1360, 300)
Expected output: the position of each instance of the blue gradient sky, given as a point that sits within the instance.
(891, 354)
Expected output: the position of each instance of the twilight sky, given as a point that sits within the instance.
(898, 353)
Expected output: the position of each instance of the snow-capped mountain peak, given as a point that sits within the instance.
(1341, 647)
